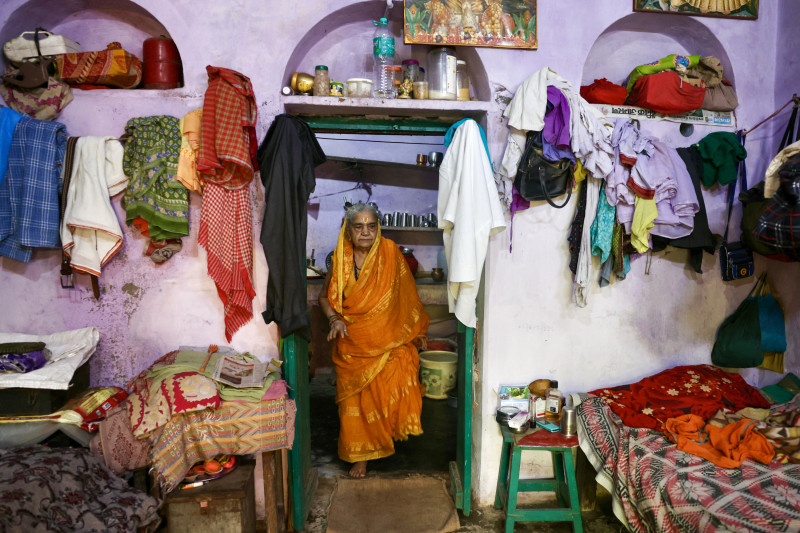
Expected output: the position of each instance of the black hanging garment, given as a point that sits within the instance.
(287, 158)
(700, 239)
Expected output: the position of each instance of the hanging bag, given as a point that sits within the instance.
(539, 179)
(735, 259)
(738, 341)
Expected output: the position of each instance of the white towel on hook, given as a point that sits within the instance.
(90, 231)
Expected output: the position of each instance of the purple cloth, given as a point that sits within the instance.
(556, 121)
(22, 362)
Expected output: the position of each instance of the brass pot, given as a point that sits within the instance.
(302, 83)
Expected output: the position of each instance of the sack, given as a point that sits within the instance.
(720, 98)
(741, 338)
(666, 93)
(707, 73)
(539, 179)
(44, 103)
(603, 91)
(113, 67)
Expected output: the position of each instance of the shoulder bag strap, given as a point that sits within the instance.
(788, 135)
(742, 172)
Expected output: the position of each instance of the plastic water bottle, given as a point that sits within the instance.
(383, 56)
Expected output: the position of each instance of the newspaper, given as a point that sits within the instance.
(239, 372)
(698, 116)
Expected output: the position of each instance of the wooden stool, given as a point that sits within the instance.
(563, 483)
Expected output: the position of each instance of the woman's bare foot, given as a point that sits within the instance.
(359, 469)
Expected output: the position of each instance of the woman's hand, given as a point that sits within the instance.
(421, 343)
(338, 329)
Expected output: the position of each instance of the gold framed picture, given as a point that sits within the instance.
(735, 9)
(492, 23)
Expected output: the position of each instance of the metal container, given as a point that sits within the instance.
(569, 421)
(506, 413)
(161, 64)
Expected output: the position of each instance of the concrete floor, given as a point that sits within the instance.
(428, 454)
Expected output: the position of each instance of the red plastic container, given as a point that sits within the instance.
(162, 67)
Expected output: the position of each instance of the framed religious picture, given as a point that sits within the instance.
(735, 9)
(494, 23)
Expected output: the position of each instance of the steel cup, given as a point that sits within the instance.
(435, 158)
(422, 160)
(569, 422)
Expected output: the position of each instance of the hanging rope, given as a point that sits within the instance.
(794, 99)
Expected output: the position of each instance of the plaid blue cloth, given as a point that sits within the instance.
(779, 225)
(8, 121)
(29, 214)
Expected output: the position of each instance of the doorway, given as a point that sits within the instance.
(380, 168)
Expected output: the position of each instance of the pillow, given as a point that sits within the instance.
(189, 391)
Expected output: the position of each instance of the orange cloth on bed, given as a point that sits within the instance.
(377, 366)
(727, 446)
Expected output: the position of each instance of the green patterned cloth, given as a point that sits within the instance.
(151, 164)
(670, 62)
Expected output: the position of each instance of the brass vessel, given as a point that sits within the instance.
(302, 83)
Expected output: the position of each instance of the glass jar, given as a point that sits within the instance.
(411, 70)
(441, 73)
(462, 80)
(322, 82)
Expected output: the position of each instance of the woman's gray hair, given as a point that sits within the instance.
(358, 207)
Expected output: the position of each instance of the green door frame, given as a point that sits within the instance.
(302, 477)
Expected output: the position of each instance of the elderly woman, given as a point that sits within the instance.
(377, 323)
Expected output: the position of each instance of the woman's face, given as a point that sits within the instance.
(363, 229)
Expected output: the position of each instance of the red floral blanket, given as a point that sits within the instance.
(697, 389)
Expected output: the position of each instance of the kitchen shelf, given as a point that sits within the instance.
(379, 172)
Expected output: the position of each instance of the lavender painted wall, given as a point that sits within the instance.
(530, 329)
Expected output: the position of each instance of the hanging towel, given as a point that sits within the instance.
(29, 215)
(469, 211)
(90, 232)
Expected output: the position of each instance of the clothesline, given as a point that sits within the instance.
(794, 99)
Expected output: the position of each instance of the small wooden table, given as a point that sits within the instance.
(563, 483)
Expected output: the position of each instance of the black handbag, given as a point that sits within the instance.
(735, 259)
(539, 179)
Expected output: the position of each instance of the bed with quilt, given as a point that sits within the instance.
(695, 448)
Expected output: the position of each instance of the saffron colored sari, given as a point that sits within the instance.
(377, 366)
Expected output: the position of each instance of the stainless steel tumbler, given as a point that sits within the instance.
(569, 421)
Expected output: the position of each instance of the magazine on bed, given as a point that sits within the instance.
(241, 373)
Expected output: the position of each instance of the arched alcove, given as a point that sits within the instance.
(641, 38)
(92, 23)
(342, 41)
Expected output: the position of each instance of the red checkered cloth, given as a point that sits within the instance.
(228, 145)
(226, 232)
(226, 162)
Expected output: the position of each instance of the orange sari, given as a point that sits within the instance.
(377, 366)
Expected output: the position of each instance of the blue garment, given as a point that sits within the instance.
(452, 130)
(29, 211)
(603, 227)
(8, 121)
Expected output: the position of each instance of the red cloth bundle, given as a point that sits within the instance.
(112, 67)
(665, 92)
(603, 91)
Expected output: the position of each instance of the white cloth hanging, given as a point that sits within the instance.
(469, 212)
(90, 231)
(585, 272)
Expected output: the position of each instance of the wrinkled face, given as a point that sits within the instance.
(363, 229)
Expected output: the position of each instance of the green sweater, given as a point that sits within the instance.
(721, 153)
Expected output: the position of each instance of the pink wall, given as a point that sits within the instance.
(530, 327)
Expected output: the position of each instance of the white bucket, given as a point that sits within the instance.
(437, 371)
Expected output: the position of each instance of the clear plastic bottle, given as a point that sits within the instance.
(383, 57)
(553, 401)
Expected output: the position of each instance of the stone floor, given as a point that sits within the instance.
(428, 454)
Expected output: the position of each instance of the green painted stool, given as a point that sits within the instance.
(563, 484)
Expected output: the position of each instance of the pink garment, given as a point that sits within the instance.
(675, 213)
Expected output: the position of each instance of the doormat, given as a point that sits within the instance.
(386, 505)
